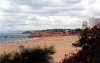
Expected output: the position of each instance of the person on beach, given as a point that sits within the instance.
(21, 46)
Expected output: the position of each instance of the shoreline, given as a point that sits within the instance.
(20, 40)
(62, 44)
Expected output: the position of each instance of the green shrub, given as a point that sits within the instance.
(29, 55)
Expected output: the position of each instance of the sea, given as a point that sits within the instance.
(9, 37)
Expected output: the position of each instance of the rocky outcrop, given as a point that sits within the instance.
(47, 34)
(54, 32)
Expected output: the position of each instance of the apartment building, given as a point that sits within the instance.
(94, 21)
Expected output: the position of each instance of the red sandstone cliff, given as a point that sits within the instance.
(46, 33)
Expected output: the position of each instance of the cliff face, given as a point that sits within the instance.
(47, 34)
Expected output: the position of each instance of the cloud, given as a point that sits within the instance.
(46, 14)
(72, 1)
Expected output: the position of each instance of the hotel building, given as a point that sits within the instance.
(94, 21)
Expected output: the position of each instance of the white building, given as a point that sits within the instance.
(84, 25)
(94, 21)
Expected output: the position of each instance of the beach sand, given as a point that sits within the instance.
(62, 44)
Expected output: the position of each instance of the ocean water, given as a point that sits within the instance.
(8, 37)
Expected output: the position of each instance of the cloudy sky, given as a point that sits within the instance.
(21, 15)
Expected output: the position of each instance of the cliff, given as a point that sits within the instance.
(46, 34)
(55, 32)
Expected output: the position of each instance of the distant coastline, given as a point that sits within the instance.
(26, 32)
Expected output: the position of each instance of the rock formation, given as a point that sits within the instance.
(54, 32)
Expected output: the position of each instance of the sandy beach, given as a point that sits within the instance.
(62, 44)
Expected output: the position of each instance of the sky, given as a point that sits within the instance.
(20, 15)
